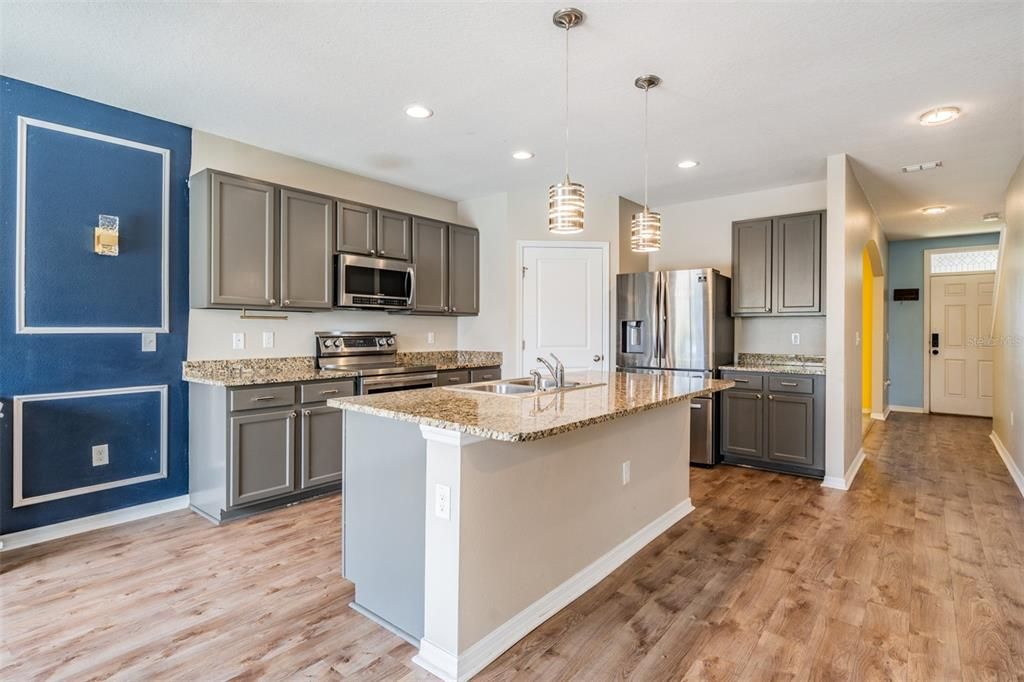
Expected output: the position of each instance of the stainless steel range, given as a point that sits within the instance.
(373, 355)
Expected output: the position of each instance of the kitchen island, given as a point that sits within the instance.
(471, 517)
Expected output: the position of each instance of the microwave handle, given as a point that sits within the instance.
(412, 284)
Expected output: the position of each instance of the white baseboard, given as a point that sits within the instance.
(447, 666)
(846, 482)
(34, 536)
(1015, 473)
(881, 416)
(906, 408)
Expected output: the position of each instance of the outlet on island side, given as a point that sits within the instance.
(625, 472)
(443, 502)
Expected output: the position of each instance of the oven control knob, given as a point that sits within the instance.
(391, 342)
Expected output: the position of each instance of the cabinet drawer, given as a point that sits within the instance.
(324, 390)
(791, 384)
(262, 396)
(485, 374)
(747, 380)
(453, 378)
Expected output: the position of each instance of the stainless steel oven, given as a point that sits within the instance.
(374, 283)
(368, 385)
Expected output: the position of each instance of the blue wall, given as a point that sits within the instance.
(71, 179)
(906, 318)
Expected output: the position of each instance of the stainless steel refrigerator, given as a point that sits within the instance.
(678, 321)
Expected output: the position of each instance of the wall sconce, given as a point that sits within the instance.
(105, 236)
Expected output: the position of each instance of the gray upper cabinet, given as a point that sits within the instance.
(321, 441)
(262, 456)
(752, 267)
(778, 265)
(357, 229)
(394, 235)
(234, 241)
(430, 255)
(463, 270)
(307, 250)
(798, 260)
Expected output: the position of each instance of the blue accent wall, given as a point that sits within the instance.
(69, 181)
(906, 318)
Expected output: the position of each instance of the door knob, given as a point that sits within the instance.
(598, 358)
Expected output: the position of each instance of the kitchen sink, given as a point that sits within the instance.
(520, 387)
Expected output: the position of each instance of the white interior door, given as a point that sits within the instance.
(564, 305)
(960, 373)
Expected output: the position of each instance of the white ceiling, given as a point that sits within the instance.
(759, 93)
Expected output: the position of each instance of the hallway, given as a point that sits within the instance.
(917, 573)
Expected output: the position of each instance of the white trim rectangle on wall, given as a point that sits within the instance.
(20, 217)
(19, 400)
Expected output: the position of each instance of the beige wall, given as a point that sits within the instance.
(851, 224)
(504, 219)
(1009, 327)
(209, 334)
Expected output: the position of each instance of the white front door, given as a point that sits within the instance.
(564, 305)
(960, 375)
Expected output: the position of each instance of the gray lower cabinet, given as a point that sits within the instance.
(464, 270)
(259, 447)
(484, 374)
(258, 245)
(453, 377)
(774, 421)
(778, 265)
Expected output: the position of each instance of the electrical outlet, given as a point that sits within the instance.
(100, 455)
(430, 338)
(1011, 417)
(856, 338)
(148, 342)
(238, 341)
(625, 472)
(443, 502)
(268, 339)
(795, 337)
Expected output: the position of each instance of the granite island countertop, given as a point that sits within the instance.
(518, 418)
(259, 371)
(812, 365)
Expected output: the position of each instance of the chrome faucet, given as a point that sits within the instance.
(538, 380)
(557, 370)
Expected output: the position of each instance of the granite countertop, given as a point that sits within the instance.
(532, 417)
(778, 364)
(257, 371)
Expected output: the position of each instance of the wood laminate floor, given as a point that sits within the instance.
(917, 573)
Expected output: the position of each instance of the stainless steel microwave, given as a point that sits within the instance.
(374, 283)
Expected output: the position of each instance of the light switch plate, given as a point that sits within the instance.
(625, 472)
(148, 342)
(795, 337)
(238, 341)
(430, 338)
(100, 455)
(268, 339)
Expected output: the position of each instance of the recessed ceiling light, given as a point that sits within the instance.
(939, 116)
(927, 165)
(418, 111)
(933, 210)
(990, 217)
(688, 164)
(522, 155)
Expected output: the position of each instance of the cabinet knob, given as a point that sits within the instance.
(453, 309)
(287, 302)
(272, 301)
(771, 397)
(293, 415)
(307, 412)
(373, 252)
(758, 396)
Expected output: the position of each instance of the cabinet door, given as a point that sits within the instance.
(307, 247)
(798, 264)
(463, 270)
(357, 229)
(394, 235)
(262, 456)
(742, 423)
(430, 256)
(752, 267)
(320, 452)
(791, 428)
(485, 374)
(243, 248)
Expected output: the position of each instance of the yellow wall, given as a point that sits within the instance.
(865, 334)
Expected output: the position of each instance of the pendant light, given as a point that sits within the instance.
(565, 200)
(645, 232)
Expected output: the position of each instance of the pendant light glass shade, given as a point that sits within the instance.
(565, 200)
(645, 232)
(645, 228)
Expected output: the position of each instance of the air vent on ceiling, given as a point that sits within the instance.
(928, 165)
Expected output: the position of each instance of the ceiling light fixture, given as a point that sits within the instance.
(645, 228)
(522, 155)
(934, 210)
(688, 164)
(418, 111)
(565, 200)
(939, 116)
(990, 217)
(918, 167)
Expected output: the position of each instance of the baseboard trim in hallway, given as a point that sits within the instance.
(1015, 473)
(906, 408)
(34, 536)
(846, 481)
